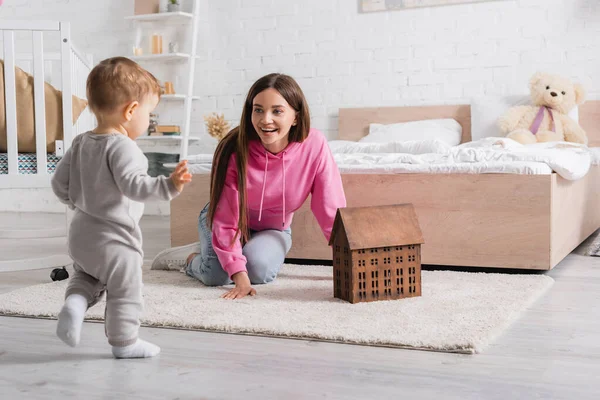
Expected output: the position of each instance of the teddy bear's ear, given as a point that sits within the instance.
(535, 79)
(579, 94)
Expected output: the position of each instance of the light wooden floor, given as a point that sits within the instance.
(552, 352)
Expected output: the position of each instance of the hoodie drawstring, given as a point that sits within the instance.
(283, 192)
(262, 197)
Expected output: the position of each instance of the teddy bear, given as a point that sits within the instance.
(546, 120)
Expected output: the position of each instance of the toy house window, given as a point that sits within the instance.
(345, 263)
(374, 261)
(337, 261)
(345, 250)
(337, 248)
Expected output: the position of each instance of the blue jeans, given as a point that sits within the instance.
(265, 253)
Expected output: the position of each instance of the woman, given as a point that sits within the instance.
(262, 172)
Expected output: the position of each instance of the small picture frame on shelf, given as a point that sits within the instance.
(142, 7)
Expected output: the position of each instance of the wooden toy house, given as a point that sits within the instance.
(376, 253)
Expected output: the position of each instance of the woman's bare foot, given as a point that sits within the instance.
(190, 258)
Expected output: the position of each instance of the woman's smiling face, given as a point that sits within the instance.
(272, 118)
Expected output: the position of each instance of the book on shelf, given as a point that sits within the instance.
(168, 128)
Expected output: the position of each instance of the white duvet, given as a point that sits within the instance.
(489, 155)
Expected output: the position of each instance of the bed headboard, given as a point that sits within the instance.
(354, 122)
(589, 119)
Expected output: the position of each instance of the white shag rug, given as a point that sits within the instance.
(458, 311)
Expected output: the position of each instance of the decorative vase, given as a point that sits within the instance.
(173, 7)
(157, 44)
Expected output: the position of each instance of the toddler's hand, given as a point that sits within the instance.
(181, 175)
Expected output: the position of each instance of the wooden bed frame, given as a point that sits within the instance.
(475, 220)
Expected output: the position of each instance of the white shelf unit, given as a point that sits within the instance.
(164, 16)
(167, 57)
(176, 97)
(189, 56)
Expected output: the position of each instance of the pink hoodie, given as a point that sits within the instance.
(277, 185)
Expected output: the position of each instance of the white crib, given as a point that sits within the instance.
(24, 46)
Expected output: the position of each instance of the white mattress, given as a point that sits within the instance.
(490, 155)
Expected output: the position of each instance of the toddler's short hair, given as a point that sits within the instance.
(116, 81)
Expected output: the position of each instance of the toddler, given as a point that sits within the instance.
(103, 178)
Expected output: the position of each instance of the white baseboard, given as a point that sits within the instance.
(44, 201)
(30, 200)
(53, 261)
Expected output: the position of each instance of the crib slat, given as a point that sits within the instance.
(40, 102)
(47, 56)
(11, 102)
(17, 25)
(67, 91)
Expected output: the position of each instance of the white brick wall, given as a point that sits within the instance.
(347, 59)
(342, 58)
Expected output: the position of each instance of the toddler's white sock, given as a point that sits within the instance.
(70, 319)
(140, 349)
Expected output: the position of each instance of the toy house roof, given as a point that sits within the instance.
(378, 226)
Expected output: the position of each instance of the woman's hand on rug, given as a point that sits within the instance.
(242, 287)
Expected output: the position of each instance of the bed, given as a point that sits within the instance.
(486, 220)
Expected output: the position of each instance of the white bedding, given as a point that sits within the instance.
(489, 155)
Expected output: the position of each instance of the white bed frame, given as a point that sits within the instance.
(74, 69)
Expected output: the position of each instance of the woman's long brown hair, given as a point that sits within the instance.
(236, 142)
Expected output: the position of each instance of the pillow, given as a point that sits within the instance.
(25, 113)
(445, 130)
(486, 110)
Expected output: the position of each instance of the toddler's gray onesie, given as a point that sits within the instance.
(103, 178)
